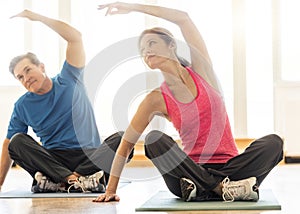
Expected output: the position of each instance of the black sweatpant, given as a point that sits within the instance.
(58, 164)
(257, 160)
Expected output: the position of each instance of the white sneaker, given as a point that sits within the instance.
(243, 190)
(91, 183)
(44, 184)
(188, 189)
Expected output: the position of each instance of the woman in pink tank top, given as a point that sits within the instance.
(209, 166)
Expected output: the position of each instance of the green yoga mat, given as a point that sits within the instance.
(166, 201)
(25, 193)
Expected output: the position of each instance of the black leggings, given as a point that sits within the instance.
(257, 160)
(58, 164)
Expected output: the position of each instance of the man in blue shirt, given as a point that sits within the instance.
(71, 156)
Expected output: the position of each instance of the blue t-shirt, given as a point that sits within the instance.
(63, 118)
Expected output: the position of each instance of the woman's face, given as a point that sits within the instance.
(155, 51)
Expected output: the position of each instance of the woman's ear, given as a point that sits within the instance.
(172, 45)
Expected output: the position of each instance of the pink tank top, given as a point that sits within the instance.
(202, 124)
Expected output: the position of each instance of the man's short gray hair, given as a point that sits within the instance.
(32, 57)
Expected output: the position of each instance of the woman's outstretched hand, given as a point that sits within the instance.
(116, 8)
(106, 197)
(27, 14)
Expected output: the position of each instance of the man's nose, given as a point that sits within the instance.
(27, 78)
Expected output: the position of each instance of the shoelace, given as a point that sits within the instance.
(89, 182)
(76, 184)
(191, 186)
(46, 184)
(226, 193)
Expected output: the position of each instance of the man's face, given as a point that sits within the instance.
(30, 75)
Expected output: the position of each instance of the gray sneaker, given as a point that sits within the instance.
(242, 190)
(44, 184)
(91, 183)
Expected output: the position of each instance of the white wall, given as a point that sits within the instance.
(287, 116)
(8, 96)
(286, 98)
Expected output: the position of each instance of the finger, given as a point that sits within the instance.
(95, 200)
(14, 16)
(99, 198)
(102, 6)
(114, 11)
(21, 14)
(108, 6)
(117, 198)
(109, 198)
(109, 11)
(112, 198)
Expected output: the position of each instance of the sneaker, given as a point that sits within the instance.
(44, 184)
(242, 190)
(188, 189)
(207, 196)
(91, 183)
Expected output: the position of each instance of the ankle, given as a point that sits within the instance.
(77, 174)
(71, 177)
(218, 189)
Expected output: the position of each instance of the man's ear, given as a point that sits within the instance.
(42, 66)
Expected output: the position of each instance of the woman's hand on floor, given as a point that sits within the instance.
(106, 197)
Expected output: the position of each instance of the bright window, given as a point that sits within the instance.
(114, 37)
(290, 42)
(44, 41)
(12, 38)
(113, 63)
(20, 36)
(259, 68)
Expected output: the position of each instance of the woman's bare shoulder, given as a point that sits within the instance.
(155, 101)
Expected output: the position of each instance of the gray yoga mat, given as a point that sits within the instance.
(166, 201)
(26, 193)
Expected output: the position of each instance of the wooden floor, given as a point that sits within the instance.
(284, 181)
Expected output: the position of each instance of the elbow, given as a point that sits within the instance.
(6, 143)
(73, 36)
(77, 36)
(183, 17)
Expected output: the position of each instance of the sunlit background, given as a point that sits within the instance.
(254, 46)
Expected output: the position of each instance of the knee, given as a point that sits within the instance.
(152, 138)
(275, 143)
(16, 139)
(278, 141)
(156, 142)
(117, 135)
(114, 140)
